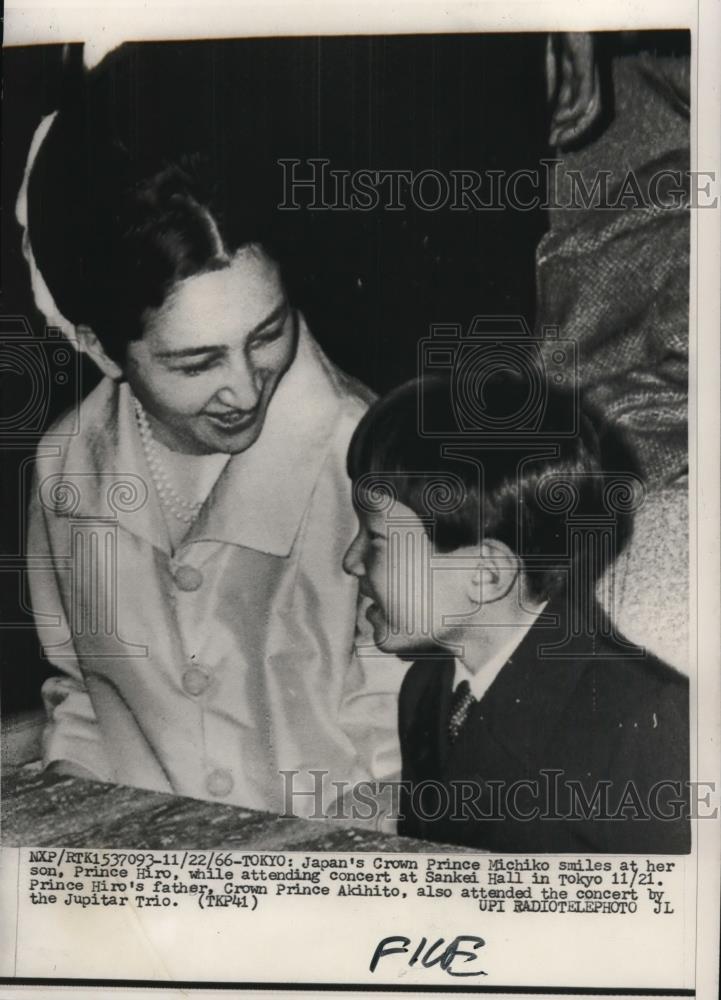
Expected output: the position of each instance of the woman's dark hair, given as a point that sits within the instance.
(131, 245)
(514, 486)
(126, 200)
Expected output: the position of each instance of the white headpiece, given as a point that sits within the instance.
(41, 293)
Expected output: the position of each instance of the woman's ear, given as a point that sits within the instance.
(496, 571)
(89, 344)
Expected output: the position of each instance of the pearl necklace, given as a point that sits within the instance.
(182, 509)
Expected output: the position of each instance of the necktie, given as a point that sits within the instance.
(460, 706)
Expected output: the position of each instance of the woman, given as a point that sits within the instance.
(189, 538)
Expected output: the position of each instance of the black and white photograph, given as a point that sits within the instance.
(351, 518)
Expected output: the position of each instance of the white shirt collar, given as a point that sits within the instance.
(481, 680)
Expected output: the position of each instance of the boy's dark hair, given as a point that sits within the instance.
(510, 489)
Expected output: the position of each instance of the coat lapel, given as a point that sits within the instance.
(442, 708)
(427, 702)
(525, 703)
(105, 469)
(261, 496)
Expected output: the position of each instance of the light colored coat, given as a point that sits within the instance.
(207, 671)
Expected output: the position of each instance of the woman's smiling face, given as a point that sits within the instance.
(212, 356)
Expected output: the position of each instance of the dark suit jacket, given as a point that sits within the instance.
(571, 716)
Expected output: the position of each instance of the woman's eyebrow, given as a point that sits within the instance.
(276, 313)
(190, 352)
(194, 352)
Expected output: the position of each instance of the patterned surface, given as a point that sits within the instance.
(460, 706)
(46, 811)
(646, 591)
(617, 281)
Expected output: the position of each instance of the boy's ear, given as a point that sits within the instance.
(89, 344)
(496, 571)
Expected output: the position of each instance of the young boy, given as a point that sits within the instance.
(526, 723)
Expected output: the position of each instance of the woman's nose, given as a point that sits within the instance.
(242, 387)
(353, 559)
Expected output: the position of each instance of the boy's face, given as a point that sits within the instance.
(212, 356)
(391, 559)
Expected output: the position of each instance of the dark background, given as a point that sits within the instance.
(369, 283)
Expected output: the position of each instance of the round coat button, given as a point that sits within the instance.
(187, 578)
(219, 783)
(195, 681)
